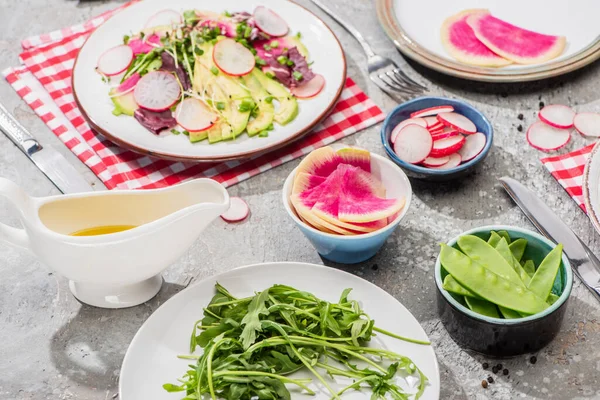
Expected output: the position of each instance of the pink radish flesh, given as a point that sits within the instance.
(435, 161)
(309, 89)
(238, 210)
(436, 126)
(413, 144)
(588, 124)
(432, 111)
(444, 135)
(431, 121)
(547, 138)
(558, 116)
(474, 144)
(194, 116)
(157, 91)
(454, 162)
(164, 18)
(269, 22)
(116, 60)
(447, 146)
(398, 128)
(458, 122)
(233, 58)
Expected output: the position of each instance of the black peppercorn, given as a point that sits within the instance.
(520, 128)
(533, 359)
(542, 104)
(485, 365)
(495, 369)
(505, 372)
(490, 379)
(520, 116)
(499, 367)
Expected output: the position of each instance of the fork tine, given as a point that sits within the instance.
(406, 78)
(403, 84)
(391, 84)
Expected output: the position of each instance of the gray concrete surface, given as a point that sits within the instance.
(53, 347)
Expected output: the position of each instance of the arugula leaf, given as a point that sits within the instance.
(251, 321)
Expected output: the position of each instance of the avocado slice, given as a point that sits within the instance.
(288, 106)
(124, 104)
(264, 102)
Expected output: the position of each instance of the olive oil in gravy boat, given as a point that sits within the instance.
(119, 269)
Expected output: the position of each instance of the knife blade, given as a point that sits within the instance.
(584, 263)
(56, 168)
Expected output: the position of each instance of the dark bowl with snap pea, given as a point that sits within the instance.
(501, 337)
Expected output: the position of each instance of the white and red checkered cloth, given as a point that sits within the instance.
(44, 82)
(568, 169)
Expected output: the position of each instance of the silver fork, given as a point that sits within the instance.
(382, 71)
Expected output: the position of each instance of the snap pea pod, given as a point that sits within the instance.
(503, 248)
(505, 235)
(529, 267)
(494, 239)
(450, 285)
(543, 279)
(482, 307)
(489, 285)
(509, 314)
(518, 248)
(482, 253)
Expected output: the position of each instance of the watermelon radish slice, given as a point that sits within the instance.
(398, 128)
(432, 162)
(356, 157)
(455, 160)
(547, 138)
(115, 60)
(310, 88)
(304, 182)
(413, 144)
(513, 43)
(194, 116)
(157, 91)
(238, 210)
(558, 116)
(458, 122)
(460, 42)
(444, 134)
(233, 58)
(432, 111)
(474, 145)
(269, 22)
(588, 124)
(129, 84)
(164, 18)
(445, 147)
(324, 161)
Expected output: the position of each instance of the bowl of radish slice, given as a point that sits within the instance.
(436, 138)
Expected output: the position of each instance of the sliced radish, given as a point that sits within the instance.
(547, 138)
(458, 122)
(432, 111)
(558, 116)
(157, 91)
(164, 18)
(444, 134)
(588, 124)
(416, 121)
(238, 210)
(474, 144)
(436, 126)
(455, 160)
(233, 58)
(309, 89)
(413, 144)
(269, 22)
(115, 60)
(194, 116)
(445, 147)
(431, 121)
(432, 162)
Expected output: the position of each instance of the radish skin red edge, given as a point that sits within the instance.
(431, 111)
(233, 58)
(413, 144)
(115, 60)
(398, 128)
(269, 22)
(310, 89)
(157, 91)
(455, 161)
(587, 124)
(458, 122)
(432, 162)
(474, 145)
(447, 146)
(547, 138)
(238, 210)
(558, 116)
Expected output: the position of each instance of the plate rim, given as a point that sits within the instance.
(591, 212)
(421, 55)
(274, 263)
(215, 158)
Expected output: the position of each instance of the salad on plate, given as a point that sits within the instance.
(210, 76)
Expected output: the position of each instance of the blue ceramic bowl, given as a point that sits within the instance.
(505, 337)
(403, 111)
(354, 249)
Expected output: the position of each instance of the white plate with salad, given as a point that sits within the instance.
(196, 81)
(258, 333)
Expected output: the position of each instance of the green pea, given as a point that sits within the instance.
(482, 307)
(505, 235)
(552, 298)
(450, 285)
(529, 267)
(542, 281)
(484, 254)
(490, 286)
(503, 248)
(509, 314)
(518, 248)
(494, 239)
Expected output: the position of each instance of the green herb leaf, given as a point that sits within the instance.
(126, 39)
(214, 70)
(251, 321)
(297, 75)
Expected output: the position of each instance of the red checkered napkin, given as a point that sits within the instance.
(568, 169)
(44, 82)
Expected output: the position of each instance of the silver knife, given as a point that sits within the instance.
(585, 264)
(60, 172)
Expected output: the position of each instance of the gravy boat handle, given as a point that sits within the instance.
(16, 195)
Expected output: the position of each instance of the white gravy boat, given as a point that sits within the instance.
(119, 269)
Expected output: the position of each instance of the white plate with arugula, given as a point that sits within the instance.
(152, 359)
(203, 82)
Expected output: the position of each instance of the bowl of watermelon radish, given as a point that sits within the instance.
(436, 138)
(346, 201)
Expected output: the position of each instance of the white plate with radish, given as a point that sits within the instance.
(562, 36)
(433, 137)
(105, 63)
